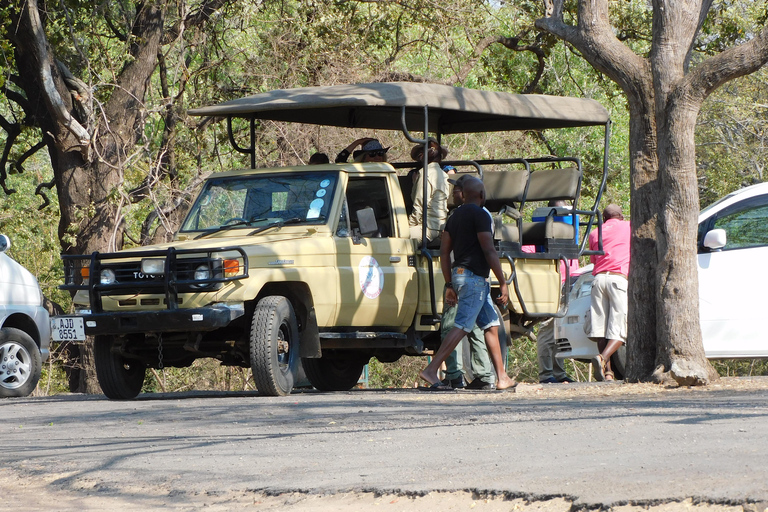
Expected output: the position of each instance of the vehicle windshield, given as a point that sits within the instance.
(262, 199)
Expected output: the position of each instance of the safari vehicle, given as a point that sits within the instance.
(274, 267)
(25, 329)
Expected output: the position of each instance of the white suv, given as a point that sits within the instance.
(25, 328)
(732, 247)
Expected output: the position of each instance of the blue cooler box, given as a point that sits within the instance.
(562, 214)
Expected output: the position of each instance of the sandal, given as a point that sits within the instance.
(599, 365)
(609, 376)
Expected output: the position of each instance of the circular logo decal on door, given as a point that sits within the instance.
(371, 277)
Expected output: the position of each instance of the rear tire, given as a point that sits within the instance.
(119, 378)
(334, 373)
(274, 346)
(618, 362)
(20, 363)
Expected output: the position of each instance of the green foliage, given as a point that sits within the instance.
(732, 138)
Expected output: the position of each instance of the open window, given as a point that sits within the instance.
(369, 209)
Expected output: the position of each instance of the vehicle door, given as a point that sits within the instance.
(733, 281)
(377, 282)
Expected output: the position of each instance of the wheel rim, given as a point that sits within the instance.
(15, 365)
(284, 347)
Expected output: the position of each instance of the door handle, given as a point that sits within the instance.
(394, 259)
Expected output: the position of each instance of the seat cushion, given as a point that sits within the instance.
(535, 233)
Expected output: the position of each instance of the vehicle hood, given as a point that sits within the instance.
(17, 285)
(248, 243)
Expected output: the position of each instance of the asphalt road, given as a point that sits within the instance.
(590, 444)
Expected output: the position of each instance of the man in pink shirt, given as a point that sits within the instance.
(608, 308)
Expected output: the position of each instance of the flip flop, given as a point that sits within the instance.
(437, 386)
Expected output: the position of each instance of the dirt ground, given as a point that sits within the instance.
(43, 493)
(24, 495)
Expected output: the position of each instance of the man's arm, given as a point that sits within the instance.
(446, 246)
(343, 156)
(486, 243)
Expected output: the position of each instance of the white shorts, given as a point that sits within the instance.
(608, 308)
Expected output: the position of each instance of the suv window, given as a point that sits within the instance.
(745, 227)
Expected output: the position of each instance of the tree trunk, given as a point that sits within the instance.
(645, 201)
(88, 167)
(680, 350)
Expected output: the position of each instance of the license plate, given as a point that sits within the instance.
(67, 328)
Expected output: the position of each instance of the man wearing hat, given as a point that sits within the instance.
(437, 192)
(371, 150)
(608, 308)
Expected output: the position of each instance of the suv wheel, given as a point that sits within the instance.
(20, 363)
(274, 346)
(334, 373)
(119, 378)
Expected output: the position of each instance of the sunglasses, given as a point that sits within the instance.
(376, 152)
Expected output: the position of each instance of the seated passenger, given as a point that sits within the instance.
(370, 150)
(437, 192)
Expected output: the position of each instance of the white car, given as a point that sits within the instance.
(732, 247)
(25, 327)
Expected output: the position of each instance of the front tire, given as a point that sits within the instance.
(119, 378)
(334, 373)
(274, 346)
(20, 363)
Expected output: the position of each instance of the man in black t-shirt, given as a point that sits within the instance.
(468, 234)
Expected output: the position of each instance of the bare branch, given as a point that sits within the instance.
(195, 19)
(13, 131)
(513, 43)
(39, 192)
(120, 35)
(19, 164)
(15, 97)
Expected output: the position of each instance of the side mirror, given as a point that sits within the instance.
(715, 239)
(5, 243)
(366, 221)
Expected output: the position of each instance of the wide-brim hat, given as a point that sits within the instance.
(417, 152)
(369, 147)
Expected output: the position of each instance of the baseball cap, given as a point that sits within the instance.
(458, 182)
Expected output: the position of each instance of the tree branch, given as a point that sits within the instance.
(53, 99)
(13, 131)
(19, 164)
(595, 40)
(195, 19)
(735, 62)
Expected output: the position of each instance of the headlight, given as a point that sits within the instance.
(107, 276)
(155, 267)
(202, 273)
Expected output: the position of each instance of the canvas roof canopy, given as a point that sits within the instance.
(379, 106)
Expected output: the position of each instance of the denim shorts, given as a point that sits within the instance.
(475, 306)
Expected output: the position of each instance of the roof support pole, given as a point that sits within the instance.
(425, 202)
(251, 150)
